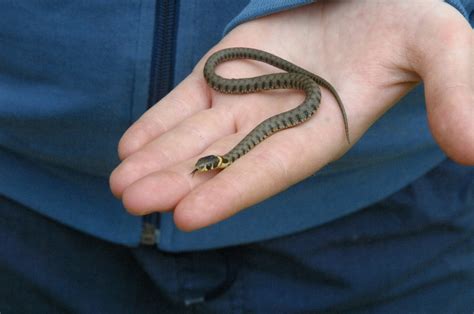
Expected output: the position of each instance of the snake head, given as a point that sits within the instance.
(207, 163)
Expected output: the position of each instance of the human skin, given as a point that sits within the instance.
(373, 52)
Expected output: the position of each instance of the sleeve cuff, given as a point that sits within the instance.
(465, 7)
(258, 8)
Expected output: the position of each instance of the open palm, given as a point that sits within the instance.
(372, 53)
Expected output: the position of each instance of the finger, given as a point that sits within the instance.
(446, 69)
(162, 190)
(189, 97)
(186, 140)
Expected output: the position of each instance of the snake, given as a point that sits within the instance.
(294, 77)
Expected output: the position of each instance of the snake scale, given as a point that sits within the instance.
(294, 78)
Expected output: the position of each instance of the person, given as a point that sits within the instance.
(304, 222)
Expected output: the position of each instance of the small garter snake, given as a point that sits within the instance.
(294, 78)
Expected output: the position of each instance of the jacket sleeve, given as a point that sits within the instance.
(258, 8)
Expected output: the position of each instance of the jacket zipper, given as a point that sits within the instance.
(161, 82)
(164, 46)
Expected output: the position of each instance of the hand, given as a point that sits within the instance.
(373, 54)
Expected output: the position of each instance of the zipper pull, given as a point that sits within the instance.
(150, 234)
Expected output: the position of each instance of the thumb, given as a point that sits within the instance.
(446, 65)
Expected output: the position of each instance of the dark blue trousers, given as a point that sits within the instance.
(410, 253)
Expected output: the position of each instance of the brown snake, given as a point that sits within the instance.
(294, 78)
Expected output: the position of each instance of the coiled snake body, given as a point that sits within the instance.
(295, 78)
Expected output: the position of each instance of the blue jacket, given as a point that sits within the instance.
(75, 75)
